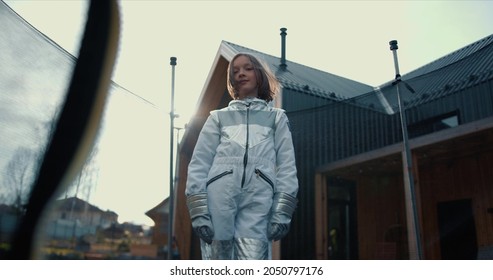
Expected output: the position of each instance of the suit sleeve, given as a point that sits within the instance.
(286, 179)
(203, 156)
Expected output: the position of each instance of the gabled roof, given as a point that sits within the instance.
(161, 208)
(306, 79)
(294, 76)
(466, 67)
(456, 57)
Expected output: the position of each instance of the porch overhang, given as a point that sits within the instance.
(467, 138)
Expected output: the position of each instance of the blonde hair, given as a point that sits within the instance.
(267, 83)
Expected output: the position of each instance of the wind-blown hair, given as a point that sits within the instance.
(267, 83)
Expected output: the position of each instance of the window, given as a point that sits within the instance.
(434, 124)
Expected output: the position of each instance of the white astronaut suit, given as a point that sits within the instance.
(242, 183)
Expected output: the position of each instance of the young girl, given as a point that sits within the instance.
(242, 184)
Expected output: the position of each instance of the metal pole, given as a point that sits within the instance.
(415, 251)
(171, 177)
(177, 163)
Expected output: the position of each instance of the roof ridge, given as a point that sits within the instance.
(450, 55)
(297, 63)
(307, 79)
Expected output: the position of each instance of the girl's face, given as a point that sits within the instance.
(245, 79)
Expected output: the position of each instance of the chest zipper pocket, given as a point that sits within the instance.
(219, 176)
(264, 177)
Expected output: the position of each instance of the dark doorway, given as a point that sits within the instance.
(457, 230)
(341, 208)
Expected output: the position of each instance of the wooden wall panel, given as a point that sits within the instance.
(484, 210)
(430, 235)
(465, 177)
(381, 217)
(182, 223)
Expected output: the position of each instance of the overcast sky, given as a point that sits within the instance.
(345, 38)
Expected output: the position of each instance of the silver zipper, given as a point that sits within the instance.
(245, 157)
(219, 176)
(264, 177)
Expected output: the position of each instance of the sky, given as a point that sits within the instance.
(345, 38)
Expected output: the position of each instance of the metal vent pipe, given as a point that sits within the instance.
(283, 47)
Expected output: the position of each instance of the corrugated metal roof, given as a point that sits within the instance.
(466, 67)
(451, 58)
(309, 80)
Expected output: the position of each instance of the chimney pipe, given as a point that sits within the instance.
(283, 47)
